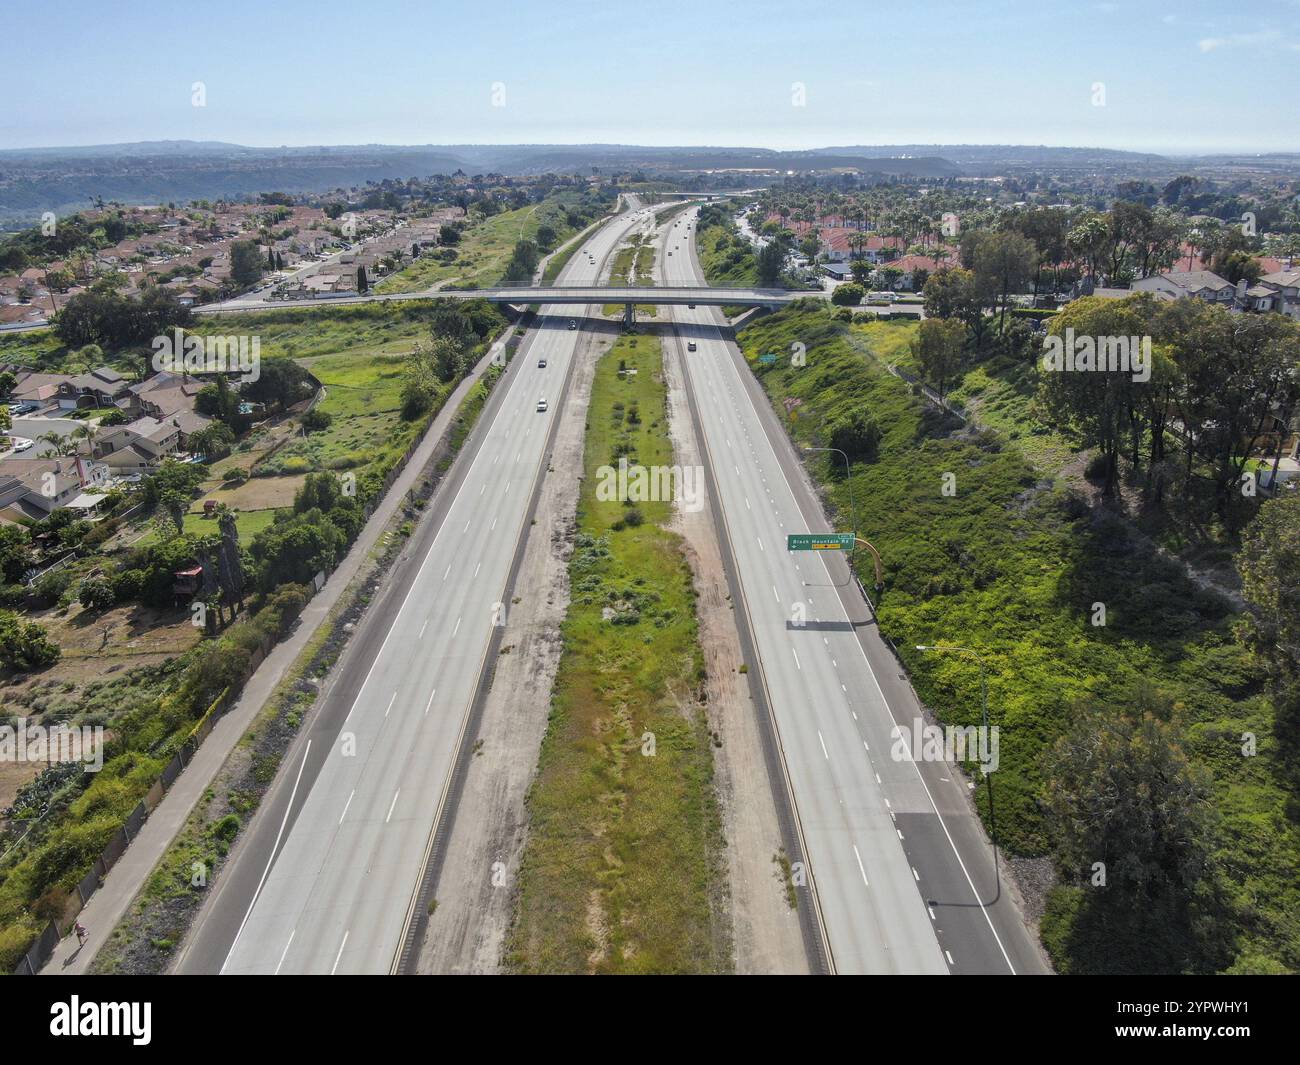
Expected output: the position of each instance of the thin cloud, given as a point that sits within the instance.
(1238, 40)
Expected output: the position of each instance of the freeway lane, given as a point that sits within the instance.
(324, 879)
(903, 876)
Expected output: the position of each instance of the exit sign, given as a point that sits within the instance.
(819, 541)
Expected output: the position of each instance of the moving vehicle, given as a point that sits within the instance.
(541, 405)
(690, 345)
(573, 324)
(541, 364)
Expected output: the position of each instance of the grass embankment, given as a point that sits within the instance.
(359, 354)
(726, 257)
(998, 393)
(484, 249)
(621, 871)
(1011, 567)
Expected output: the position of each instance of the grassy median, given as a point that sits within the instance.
(622, 871)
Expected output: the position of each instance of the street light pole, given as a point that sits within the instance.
(853, 510)
(984, 714)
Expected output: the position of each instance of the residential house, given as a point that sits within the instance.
(137, 446)
(1283, 288)
(98, 388)
(908, 266)
(1191, 284)
(38, 388)
(34, 487)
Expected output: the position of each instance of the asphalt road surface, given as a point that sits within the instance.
(324, 880)
(903, 875)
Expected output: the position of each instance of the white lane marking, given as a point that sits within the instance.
(466, 529)
(339, 955)
(483, 489)
(390, 703)
(346, 805)
(823, 743)
(446, 571)
(760, 543)
(748, 507)
(926, 787)
(932, 916)
(392, 806)
(286, 951)
(421, 636)
(948, 954)
(456, 629)
(477, 568)
(283, 821)
(796, 659)
(494, 525)
(776, 593)
(860, 868)
(430, 702)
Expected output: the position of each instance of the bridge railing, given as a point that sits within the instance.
(702, 286)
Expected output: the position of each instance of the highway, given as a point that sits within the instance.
(324, 880)
(902, 875)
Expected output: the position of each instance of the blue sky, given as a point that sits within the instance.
(1178, 77)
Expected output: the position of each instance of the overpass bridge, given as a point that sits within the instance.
(575, 295)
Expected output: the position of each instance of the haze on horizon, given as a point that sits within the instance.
(1071, 73)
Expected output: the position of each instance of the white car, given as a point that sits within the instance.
(22, 444)
(541, 405)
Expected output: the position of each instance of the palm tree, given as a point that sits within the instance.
(61, 445)
(88, 433)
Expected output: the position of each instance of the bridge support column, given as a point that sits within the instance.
(629, 316)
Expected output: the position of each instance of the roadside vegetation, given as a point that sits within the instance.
(147, 936)
(621, 872)
(288, 499)
(494, 248)
(1159, 742)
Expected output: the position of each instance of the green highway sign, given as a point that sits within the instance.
(819, 541)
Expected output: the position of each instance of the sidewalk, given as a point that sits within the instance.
(123, 882)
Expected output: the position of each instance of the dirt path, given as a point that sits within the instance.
(466, 933)
(765, 930)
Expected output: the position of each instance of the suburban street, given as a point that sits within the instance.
(325, 879)
(903, 875)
